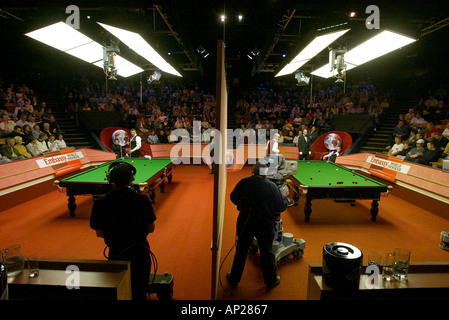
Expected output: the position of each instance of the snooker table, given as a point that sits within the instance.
(327, 180)
(149, 175)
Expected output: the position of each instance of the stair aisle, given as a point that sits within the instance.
(380, 139)
(74, 136)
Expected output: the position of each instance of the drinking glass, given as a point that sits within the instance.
(387, 270)
(401, 264)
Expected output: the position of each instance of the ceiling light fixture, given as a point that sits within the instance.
(140, 46)
(379, 45)
(67, 39)
(311, 50)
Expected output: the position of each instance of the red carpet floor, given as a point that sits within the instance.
(182, 239)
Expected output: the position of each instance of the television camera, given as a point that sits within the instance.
(285, 246)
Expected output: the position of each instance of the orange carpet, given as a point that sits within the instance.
(182, 239)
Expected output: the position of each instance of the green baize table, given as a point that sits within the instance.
(150, 173)
(327, 180)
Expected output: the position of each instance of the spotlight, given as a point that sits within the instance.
(222, 18)
(302, 79)
(154, 77)
(240, 18)
(352, 14)
(109, 54)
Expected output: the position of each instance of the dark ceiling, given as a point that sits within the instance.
(272, 27)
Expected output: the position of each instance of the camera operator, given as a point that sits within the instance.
(259, 202)
(124, 218)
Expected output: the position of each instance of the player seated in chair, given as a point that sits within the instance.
(332, 155)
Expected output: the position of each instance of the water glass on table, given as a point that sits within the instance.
(33, 267)
(387, 269)
(401, 264)
(374, 258)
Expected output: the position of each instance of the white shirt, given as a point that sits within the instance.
(138, 143)
(396, 148)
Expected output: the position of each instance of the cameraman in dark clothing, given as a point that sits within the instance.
(124, 218)
(259, 201)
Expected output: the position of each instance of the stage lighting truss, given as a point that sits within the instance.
(67, 39)
(311, 50)
(379, 45)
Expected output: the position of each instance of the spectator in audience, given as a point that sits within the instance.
(36, 131)
(401, 131)
(397, 147)
(60, 143)
(27, 134)
(20, 148)
(445, 154)
(407, 148)
(47, 114)
(46, 129)
(51, 143)
(22, 120)
(314, 134)
(4, 159)
(31, 121)
(6, 126)
(8, 150)
(415, 152)
(162, 137)
(439, 141)
(42, 143)
(446, 131)
(418, 121)
(429, 155)
(441, 112)
(430, 131)
(153, 138)
(54, 127)
(32, 147)
(409, 116)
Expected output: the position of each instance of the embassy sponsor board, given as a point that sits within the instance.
(59, 159)
(388, 164)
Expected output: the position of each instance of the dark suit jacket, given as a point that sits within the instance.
(303, 145)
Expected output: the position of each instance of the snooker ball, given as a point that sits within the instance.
(336, 169)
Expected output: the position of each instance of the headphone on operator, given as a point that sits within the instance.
(113, 171)
(260, 168)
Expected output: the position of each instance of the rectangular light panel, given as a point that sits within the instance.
(312, 49)
(65, 38)
(140, 46)
(379, 45)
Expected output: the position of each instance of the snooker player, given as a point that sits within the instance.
(135, 144)
(124, 218)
